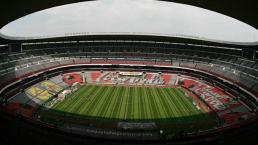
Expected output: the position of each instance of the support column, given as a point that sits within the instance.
(83, 77)
(14, 48)
(254, 54)
(249, 53)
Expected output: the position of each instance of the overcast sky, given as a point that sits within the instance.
(144, 16)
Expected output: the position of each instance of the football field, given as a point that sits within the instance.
(129, 103)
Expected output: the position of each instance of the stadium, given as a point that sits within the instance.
(128, 87)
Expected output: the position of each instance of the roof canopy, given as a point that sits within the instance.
(131, 17)
(245, 11)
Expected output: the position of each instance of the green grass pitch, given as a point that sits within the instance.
(129, 103)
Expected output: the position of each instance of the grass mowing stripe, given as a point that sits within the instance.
(133, 104)
(68, 100)
(89, 110)
(97, 105)
(126, 102)
(182, 105)
(88, 101)
(188, 108)
(121, 112)
(141, 106)
(191, 107)
(122, 109)
(113, 98)
(153, 101)
(107, 104)
(116, 108)
(179, 104)
(135, 108)
(76, 106)
(167, 99)
(196, 114)
(101, 100)
(106, 101)
(160, 103)
(115, 112)
(149, 111)
(189, 104)
(90, 94)
(130, 103)
(185, 108)
(163, 103)
(145, 111)
(177, 112)
(61, 105)
(71, 99)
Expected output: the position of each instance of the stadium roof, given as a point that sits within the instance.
(229, 8)
(245, 11)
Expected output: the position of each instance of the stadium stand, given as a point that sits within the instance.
(25, 62)
(36, 61)
(41, 62)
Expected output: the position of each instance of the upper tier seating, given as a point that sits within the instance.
(237, 69)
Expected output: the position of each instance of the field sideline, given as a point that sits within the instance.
(130, 103)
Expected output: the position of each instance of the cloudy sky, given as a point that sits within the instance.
(142, 16)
